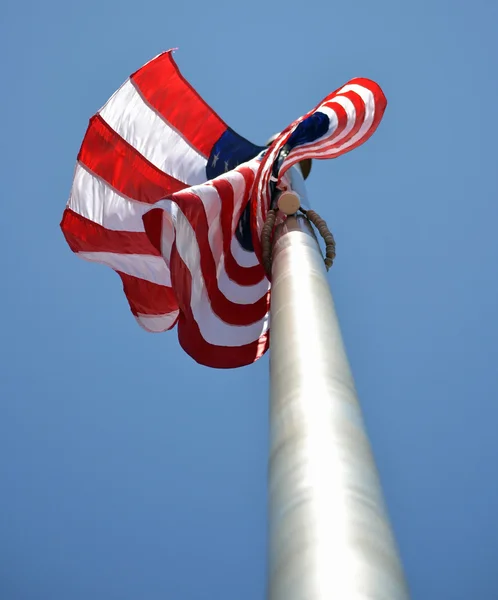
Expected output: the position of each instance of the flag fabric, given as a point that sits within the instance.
(342, 121)
(160, 189)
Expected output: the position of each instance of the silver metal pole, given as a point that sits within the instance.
(329, 533)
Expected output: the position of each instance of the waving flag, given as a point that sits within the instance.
(344, 120)
(160, 190)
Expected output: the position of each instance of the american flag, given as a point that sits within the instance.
(160, 187)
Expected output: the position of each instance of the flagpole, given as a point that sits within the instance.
(329, 532)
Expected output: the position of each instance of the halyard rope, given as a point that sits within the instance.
(313, 217)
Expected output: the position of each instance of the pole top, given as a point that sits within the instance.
(288, 202)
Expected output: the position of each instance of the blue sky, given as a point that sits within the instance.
(126, 470)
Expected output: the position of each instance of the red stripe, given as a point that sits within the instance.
(369, 84)
(153, 224)
(237, 273)
(359, 106)
(164, 88)
(84, 235)
(190, 337)
(218, 357)
(148, 298)
(251, 275)
(107, 155)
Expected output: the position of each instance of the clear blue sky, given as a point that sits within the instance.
(126, 470)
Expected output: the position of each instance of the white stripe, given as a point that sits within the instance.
(150, 268)
(333, 120)
(210, 199)
(240, 294)
(212, 328)
(92, 198)
(348, 106)
(167, 234)
(242, 257)
(143, 128)
(238, 184)
(157, 323)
